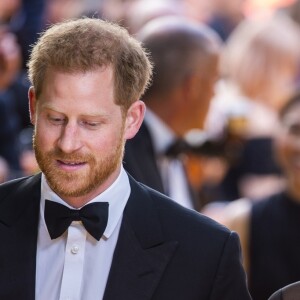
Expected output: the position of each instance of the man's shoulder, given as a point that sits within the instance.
(173, 215)
(199, 237)
(16, 185)
(14, 182)
(11, 184)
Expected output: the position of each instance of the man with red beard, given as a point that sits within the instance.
(83, 228)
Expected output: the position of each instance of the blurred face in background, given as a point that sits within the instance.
(196, 92)
(8, 8)
(204, 88)
(230, 8)
(288, 148)
(262, 59)
(59, 10)
(198, 10)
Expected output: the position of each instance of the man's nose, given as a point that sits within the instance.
(69, 140)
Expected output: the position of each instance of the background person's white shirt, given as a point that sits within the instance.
(76, 266)
(172, 170)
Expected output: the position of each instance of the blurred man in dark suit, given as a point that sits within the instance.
(185, 58)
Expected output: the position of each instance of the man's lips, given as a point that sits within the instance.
(70, 165)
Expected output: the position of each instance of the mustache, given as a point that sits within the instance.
(60, 155)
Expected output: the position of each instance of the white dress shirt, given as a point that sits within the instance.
(172, 170)
(76, 266)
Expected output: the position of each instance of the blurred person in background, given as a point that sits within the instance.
(198, 10)
(267, 6)
(269, 228)
(259, 73)
(185, 58)
(10, 64)
(28, 23)
(20, 23)
(225, 16)
(134, 13)
(293, 11)
(8, 9)
(115, 10)
(24, 19)
(142, 11)
(59, 10)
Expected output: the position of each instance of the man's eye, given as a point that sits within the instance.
(56, 120)
(91, 125)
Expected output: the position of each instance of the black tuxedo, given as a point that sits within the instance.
(163, 251)
(140, 162)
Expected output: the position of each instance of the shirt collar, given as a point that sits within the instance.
(116, 195)
(162, 135)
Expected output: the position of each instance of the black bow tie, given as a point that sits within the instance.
(178, 147)
(93, 216)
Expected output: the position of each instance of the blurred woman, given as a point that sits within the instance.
(269, 228)
(260, 66)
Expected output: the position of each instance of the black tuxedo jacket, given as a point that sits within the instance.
(163, 251)
(140, 162)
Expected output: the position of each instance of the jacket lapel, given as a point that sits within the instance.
(141, 254)
(143, 170)
(18, 230)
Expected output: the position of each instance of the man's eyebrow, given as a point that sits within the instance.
(87, 114)
(48, 106)
(94, 115)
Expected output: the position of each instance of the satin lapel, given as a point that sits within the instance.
(18, 230)
(143, 170)
(141, 254)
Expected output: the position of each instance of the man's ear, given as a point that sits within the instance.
(134, 119)
(32, 105)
